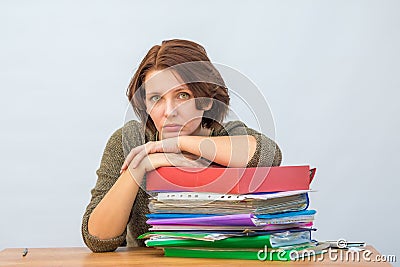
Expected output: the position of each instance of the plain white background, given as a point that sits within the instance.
(328, 69)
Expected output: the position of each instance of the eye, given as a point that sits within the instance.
(155, 98)
(183, 95)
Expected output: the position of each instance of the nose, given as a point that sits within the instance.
(170, 109)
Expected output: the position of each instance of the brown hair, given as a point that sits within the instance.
(199, 74)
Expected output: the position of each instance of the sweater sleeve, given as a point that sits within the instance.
(108, 173)
(267, 151)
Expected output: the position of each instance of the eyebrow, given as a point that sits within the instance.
(177, 89)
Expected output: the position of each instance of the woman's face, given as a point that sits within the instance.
(171, 105)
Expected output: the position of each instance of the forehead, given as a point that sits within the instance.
(162, 81)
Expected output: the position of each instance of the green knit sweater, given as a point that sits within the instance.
(132, 135)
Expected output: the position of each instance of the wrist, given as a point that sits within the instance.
(182, 143)
(137, 174)
(191, 144)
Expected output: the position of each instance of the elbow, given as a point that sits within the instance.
(99, 245)
(96, 244)
(277, 156)
(100, 249)
(267, 154)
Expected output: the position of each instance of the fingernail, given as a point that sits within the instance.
(120, 171)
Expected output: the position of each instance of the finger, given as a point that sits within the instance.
(127, 160)
(147, 149)
(203, 163)
(199, 163)
(130, 157)
(138, 158)
(192, 163)
(171, 158)
(191, 156)
(179, 160)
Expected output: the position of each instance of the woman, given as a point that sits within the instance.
(181, 100)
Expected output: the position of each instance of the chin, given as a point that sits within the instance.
(170, 135)
(173, 134)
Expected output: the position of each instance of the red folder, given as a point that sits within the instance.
(230, 180)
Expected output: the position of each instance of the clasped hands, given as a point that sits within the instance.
(155, 154)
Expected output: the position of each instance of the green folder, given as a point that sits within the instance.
(246, 254)
(221, 254)
(180, 239)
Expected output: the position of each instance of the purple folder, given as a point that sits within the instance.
(224, 220)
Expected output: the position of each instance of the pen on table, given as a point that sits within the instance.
(24, 252)
(343, 244)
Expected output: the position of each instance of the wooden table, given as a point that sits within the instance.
(144, 257)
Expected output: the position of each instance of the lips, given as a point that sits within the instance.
(172, 127)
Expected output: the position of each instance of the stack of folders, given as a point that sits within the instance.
(256, 225)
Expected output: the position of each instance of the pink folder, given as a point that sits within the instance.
(230, 180)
